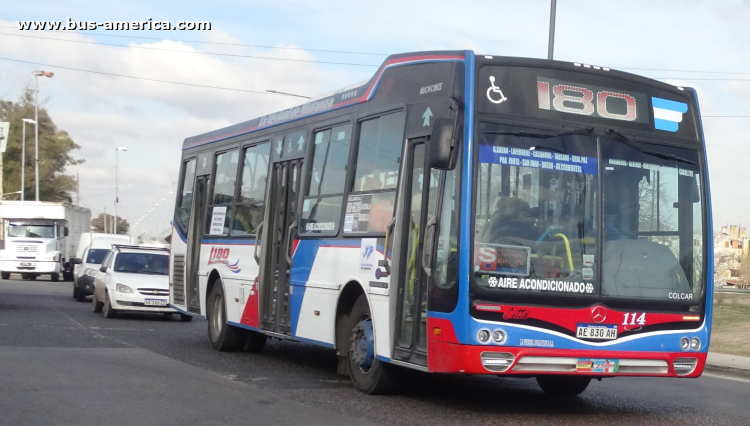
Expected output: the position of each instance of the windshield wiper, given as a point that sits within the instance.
(582, 131)
(631, 143)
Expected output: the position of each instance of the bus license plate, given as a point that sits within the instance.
(597, 331)
(155, 302)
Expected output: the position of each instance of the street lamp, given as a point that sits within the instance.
(38, 74)
(117, 196)
(23, 157)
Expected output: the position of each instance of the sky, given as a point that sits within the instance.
(320, 46)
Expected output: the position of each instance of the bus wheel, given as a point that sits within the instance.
(369, 374)
(565, 386)
(223, 336)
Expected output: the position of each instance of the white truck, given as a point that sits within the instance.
(41, 238)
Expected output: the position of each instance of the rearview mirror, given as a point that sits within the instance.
(103, 269)
(444, 143)
(76, 261)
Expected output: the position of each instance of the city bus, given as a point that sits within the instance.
(458, 213)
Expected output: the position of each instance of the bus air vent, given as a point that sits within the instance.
(178, 279)
(684, 366)
(497, 361)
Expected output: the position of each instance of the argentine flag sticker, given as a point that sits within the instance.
(667, 114)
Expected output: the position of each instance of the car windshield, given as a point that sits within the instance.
(31, 231)
(96, 256)
(538, 219)
(142, 263)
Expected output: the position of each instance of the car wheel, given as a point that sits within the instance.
(563, 386)
(5, 275)
(369, 374)
(97, 304)
(186, 318)
(107, 308)
(224, 337)
(80, 296)
(55, 277)
(75, 291)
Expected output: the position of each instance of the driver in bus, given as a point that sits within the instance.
(512, 220)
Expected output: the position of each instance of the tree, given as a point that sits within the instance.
(55, 146)
(123, 227)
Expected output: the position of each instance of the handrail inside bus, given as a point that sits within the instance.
(567, 248)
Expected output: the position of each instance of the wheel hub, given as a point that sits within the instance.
(363, 345)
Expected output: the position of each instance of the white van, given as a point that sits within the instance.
(91, 251)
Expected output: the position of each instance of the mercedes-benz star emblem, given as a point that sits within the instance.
(598, 314)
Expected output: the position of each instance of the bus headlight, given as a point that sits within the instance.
(685, 343)
(498, 336)
(483, 336)
(695, 344)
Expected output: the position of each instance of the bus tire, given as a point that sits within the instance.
(224, 337)
(6, 275)
(369, 374)
(255, 341)
(96, 303)
(107, 308)
(563, 386)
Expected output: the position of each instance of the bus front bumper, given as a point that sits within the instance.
(475, 359)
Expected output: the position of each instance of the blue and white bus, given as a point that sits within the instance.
(459, 213)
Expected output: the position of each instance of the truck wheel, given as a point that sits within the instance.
(563, 386)
(107, 308)
(32, 277)
(6, 275)
(24, 276)
(55, 277)
(224, 337)
(369, 374)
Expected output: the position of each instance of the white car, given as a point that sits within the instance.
(133, 278)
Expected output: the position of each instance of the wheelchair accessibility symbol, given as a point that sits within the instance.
(494, 89)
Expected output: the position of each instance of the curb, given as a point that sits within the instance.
(732, 371)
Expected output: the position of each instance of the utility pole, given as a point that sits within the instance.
(551, 44)
(104, 220)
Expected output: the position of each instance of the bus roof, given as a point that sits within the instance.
(349, 95)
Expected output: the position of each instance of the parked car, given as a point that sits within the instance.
(134, 278)
(92, 248)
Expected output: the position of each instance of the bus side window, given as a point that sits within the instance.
(248, 212)
(182, 212)
(321, 209)
(222, 198)
(378, 157)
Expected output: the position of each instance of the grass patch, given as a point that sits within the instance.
(730, 333)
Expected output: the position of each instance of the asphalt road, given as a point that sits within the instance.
(62, 364)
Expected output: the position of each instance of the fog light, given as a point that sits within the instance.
(695, 344)
(484, 336)
(685, 343)
(498, 336)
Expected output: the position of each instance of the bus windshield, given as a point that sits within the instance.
(554, 217)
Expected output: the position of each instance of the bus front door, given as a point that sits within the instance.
(277, 245)
(195, 232)
(417, 237)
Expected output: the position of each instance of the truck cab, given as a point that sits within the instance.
(41, 238)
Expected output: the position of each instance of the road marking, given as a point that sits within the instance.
(88, 329)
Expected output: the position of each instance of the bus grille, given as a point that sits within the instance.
(568, 365)
(178, 279)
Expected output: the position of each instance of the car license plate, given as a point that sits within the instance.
(597, 365)
(28, 264)
(155, 302)
(597, 331)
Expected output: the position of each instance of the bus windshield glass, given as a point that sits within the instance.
(31, 231)
(552, 217)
